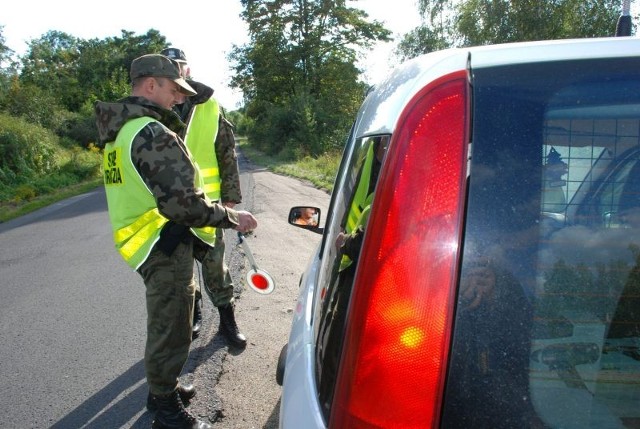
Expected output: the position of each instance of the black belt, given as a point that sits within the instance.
(171, 235)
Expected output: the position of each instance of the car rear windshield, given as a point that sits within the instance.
(547, 325)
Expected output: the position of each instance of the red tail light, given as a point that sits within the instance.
(397, 337)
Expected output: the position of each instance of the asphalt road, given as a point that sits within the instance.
(72, 318)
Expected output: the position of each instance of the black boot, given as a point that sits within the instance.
(185, 391)
(172, 415)
(197, 318)
(229, 327)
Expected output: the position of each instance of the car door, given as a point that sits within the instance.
(344, 235)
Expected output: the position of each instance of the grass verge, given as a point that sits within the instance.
(319, 171)
(11, 210)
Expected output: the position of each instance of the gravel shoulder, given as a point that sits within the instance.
(237, 389)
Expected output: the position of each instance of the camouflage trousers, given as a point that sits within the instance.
(215, 273)
(170, 291)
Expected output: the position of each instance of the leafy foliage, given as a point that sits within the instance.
(239, 121)
(47, 124)
(35, 161)
(26, 150)
(320, 171)
(7, 67)
(74, 70)
(484, 21)
(449, 23)
(297, 74)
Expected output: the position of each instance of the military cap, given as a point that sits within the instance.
(156, 65)
(175, 54)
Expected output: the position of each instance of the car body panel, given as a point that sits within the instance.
(299, 373)
(382, 108)
(379, 115)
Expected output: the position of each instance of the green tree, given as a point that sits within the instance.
(51, 64)
(420, 40)
(8, 69)
(46, 106)
(5, 52)
(448, 23)
(37, 105)
(297, 73)
(62, 76)
(76, 70)
(626, 318)
(238, 119)
(498, 21)
(105, 63)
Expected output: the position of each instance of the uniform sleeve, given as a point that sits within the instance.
(353, 244)
(225, 146)
(162, 161)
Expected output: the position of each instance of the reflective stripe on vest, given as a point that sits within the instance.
(136, 227)
(200, 138)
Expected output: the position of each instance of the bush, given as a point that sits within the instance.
(80, 129)
(37, 106)
(26, 150)
(82, 164)
(24, 193)
(239, 121)
(35, 162)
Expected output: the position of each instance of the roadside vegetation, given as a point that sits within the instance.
(77, 175)
(37, 167)
(319, 171)
(295, 125)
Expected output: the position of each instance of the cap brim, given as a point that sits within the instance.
(185, 88)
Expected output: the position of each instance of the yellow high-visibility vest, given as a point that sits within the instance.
(133, 212)
(361, 204)
(200, 137)
(135, 219)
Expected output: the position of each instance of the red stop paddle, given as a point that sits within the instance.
(258, 280)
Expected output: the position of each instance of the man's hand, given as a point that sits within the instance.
(246, 222)
(340, 239)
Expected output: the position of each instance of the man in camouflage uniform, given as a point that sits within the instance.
(217, 280)
(155, 207)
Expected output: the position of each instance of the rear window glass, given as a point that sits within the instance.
(547, 326)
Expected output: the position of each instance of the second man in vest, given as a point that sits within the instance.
(209, 137)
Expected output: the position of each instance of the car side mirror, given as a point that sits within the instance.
(306, 217)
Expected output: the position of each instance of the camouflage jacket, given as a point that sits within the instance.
(225, 144)
(161, 159)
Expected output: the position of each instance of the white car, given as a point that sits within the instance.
(480, 260)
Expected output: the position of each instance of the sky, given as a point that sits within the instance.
(205, 33)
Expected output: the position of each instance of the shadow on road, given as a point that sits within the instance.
(274, 417)
(100, 411)
(117, 415)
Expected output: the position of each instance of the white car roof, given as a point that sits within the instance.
(382, 107)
